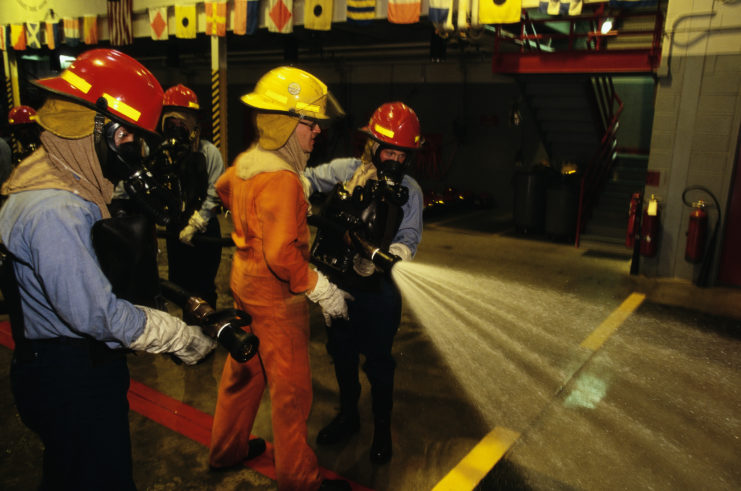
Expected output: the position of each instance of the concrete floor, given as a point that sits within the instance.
(496, 347)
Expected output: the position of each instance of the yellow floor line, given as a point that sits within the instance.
(479, 461)
(595, 340)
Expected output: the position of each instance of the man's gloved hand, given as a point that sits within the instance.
(364, 267)
(164, 333)
(401, 250)
(331, 299)
(196, 223)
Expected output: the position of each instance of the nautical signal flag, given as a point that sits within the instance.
(158, 23)
(71, 31)
(51, 34)
(560, 7)
(279, 17)
(438, 12)
(17, 37)
(246, 16)
(90, 28)
(33, 35)
(185, 21)
(500, 11)
(403, 11)
(120, 29)
(216, 19)
(318, 14)
(361, 11)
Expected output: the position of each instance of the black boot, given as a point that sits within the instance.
(380, 452)
(335, 485)
(342, 427)
(256, 448)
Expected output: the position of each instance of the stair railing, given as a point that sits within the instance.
(600, 166)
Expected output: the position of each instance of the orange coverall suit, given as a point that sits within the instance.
(270, 270)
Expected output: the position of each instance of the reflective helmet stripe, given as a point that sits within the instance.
(121, 107)
(76, 81)
(384, 131)
(308, 107)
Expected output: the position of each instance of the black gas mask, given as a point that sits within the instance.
(120, 150)
(391, 171)
(124, 157)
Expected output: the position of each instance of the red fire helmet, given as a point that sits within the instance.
(131, 93)
(181, 96)
(21, 115)
(395, 124)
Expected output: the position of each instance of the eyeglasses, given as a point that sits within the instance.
(311, 124)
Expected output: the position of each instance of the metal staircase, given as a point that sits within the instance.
(610, 213)
(563, 65)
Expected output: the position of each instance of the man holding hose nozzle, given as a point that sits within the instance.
(69, 374)
(270, 273)
(393, 224)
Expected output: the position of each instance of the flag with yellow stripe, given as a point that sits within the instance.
(216, 19)
(500, 12)
(361, 11)
(185, 21)
(71, 31)
(33, 35)
(318, 14)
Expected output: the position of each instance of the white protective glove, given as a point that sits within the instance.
(164, 333)
(331, 299)
(196, 223)
(364, 267)
(401, 250)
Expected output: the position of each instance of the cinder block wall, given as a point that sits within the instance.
(695, 133)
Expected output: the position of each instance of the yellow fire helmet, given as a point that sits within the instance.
(295, 92)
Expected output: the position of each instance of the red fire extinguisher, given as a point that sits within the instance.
(696, 233)
(630, 233)
(650, 228)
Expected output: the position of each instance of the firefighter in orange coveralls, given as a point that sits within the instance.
(270, 273)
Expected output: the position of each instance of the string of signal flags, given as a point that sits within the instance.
(242, 17)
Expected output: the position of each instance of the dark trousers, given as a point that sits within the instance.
(73, 394)
(375, 315)
(194, 268)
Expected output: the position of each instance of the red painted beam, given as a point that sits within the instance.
(623, 61)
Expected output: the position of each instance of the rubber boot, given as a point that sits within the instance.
(380, 452)
(335, 485)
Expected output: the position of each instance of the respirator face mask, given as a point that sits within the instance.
(124, 156)
(173, 130)
(121, 151)
(389, 170)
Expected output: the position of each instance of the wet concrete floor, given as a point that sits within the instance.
(654, 403)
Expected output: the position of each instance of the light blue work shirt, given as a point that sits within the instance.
(324, 177)
(64, 293)
(214, 167)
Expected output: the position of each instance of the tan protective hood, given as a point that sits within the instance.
(66, 119)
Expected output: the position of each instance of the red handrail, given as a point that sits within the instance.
(601, 164)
